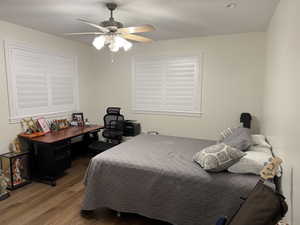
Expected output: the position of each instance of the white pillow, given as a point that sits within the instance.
(260, 140)
(258, 148)
(252, 163)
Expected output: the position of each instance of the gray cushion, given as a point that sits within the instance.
(219, 157)
(240, 139)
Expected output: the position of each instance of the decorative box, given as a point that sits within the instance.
(15, 168)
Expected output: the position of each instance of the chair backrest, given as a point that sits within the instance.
(113, 118)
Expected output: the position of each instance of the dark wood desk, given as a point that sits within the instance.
(65, 134)
(50, 155)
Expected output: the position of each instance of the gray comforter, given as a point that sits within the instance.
(155, 176)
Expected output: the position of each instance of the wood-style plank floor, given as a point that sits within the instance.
(40, 204)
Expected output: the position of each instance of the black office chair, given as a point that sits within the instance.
(113, 131)
(113, 125)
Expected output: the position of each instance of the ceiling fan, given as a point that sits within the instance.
(111, 33)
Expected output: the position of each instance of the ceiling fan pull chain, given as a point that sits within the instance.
(112, 57)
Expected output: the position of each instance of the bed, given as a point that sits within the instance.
(155, 176)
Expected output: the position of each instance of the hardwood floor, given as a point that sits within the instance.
(40, 204)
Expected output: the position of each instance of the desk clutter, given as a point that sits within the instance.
(40, 126)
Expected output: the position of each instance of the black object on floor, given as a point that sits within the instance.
(100, 146)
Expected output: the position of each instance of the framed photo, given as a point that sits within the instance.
(15, 146)
(44, 125)
(78, 117)
(29, 125)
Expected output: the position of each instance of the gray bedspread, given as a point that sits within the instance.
(156, 177)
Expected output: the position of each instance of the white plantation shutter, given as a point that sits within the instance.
(62, 82)
(167, 84)
(39, 83)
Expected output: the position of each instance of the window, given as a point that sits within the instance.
(39, 83)
(169, 85)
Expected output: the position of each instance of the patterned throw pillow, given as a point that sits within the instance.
(219, 157)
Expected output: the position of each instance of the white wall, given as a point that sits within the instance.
(52, 43)
(233, 70)
(282, 91)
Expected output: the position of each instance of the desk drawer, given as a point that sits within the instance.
(61, 148)
(52, 159)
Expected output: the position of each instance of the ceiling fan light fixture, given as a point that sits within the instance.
(99, 42)
(127, 45)
(113, 47)
(123, 43)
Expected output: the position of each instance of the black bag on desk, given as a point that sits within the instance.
(264, 206)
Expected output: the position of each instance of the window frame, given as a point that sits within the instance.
(169, 113)
(11, 82)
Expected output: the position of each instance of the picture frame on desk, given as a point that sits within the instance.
(78, 117)
(43, 124)
(29, 125)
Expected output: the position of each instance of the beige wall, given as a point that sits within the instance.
(52, 43)
(233, 70)
(282, 91)
(233, 67)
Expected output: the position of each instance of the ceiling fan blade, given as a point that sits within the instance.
(138, 29)
(83, 33)
(137, 38)
(103, 29)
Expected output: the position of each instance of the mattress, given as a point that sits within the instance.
(155, 176)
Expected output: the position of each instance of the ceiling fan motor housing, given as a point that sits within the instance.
(111, 23)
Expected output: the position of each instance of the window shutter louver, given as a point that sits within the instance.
(167, 85)
(39, 83)
(30, 81)
(62, 82)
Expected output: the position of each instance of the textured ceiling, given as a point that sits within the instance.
(172, 18)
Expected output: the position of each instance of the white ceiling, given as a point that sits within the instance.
(172, 18)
